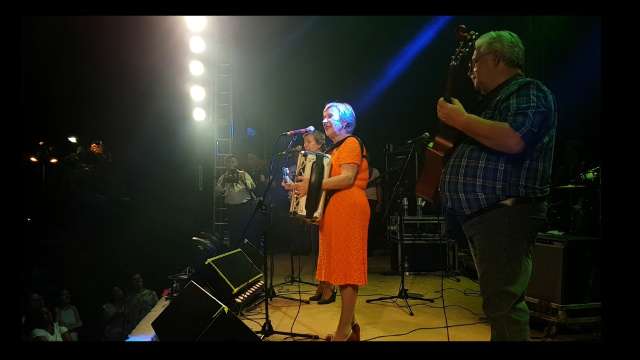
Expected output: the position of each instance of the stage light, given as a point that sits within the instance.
(196, 23)
(401, 62)
(199, 114)
(33, 159)
(53, 160)
(197, 44)
(73, 139)
(196, 68)
(197, 93)
(41, 143)
(140, 338)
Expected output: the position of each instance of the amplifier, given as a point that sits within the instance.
(233, 279)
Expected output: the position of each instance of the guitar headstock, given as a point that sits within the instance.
(466, 44)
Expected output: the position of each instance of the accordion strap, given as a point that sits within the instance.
(336, 145)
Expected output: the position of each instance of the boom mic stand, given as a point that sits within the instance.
(403, 293)
(267, 329)
(291, 279)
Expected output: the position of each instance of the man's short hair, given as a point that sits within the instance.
(505, 45)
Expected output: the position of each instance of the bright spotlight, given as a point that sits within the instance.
(73, 139)
(196, 68)
(53, 160)
(196, 23)
(197, 45)
(199, 114)
(33, 159)
(197, 93)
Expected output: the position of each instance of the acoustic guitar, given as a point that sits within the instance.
(446, 140)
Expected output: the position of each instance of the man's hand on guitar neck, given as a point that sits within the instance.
(451, 114)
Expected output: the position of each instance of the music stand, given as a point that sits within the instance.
(267, 329)
(403, 293)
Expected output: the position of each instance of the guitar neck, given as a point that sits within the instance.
(447, 132)
(448, 90)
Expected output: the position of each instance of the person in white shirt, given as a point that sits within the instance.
(140, 301)
(237, 188)
(45, 329)
(67, 315)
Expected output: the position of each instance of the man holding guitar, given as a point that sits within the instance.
(496, 181)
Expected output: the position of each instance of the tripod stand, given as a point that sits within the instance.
(291, 279)
(267, 329)
(403, 292)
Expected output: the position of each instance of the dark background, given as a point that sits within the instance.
(122, 79)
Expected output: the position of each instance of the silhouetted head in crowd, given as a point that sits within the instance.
(117, 295)
(65, 297)
(43, 318)
(36, 301)
(137, 283)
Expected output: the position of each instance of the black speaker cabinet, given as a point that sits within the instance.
(254, 253)
(229, 277)
(196, 315)
(424, 256)
(566, 269)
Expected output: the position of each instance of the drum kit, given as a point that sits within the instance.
(575, 208)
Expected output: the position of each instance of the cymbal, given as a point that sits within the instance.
(562, 187)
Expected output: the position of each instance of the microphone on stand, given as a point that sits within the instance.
(299, 131)
(294, 150)
(424, 137)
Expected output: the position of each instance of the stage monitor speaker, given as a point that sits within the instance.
(196, 315)
(232, 278)
(254, 253)
(425, 256)
(565, 270)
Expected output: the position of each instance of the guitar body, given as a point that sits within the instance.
(444, 144)
(435, 159)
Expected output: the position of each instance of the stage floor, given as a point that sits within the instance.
(387, 320)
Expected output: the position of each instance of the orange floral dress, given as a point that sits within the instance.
(342, 253)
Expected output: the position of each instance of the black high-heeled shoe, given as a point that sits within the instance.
(331, 298)
(355, 332)
(316, 297)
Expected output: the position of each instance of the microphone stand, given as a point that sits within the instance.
(291, 279)
(267, 329)
(403, 293)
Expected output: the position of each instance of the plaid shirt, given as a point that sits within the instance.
(476, 177)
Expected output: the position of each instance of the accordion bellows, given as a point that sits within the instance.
(317, 167)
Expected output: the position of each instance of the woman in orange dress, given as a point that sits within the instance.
(342, 258)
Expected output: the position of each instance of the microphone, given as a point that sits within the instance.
(424, 137)
(299, 131)
(294, 150)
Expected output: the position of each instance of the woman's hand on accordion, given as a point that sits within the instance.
(301, 186)
(289, 186)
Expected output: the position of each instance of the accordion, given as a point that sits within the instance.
(316, 166)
